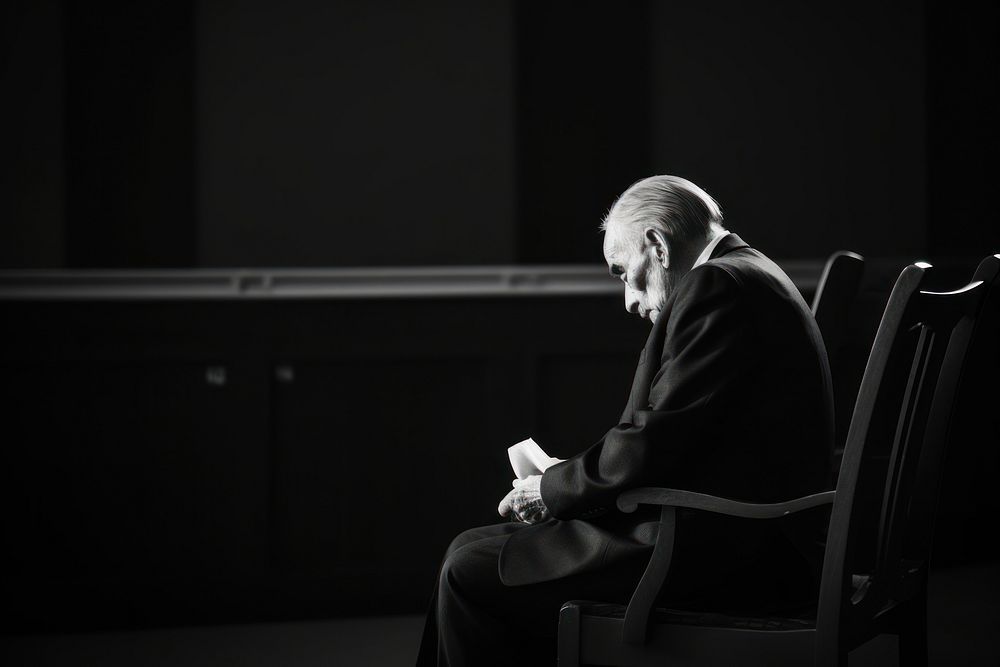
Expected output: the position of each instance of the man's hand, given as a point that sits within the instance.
(525, 501)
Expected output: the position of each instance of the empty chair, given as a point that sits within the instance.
(832, 304)
(835, 293)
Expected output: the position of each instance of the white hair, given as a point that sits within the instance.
(675, 205)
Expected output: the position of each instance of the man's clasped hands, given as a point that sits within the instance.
(524, 501)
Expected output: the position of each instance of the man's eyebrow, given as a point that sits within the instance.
(616, 270)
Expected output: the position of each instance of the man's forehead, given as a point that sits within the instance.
(609, 248)
(612, 240)
(615, 248)
(612, 255)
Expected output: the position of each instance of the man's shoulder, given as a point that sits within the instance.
(743, 259)
(713, 280)
(754, 270)
(731, 271)
(742, 279)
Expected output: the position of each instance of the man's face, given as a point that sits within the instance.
(648, 283)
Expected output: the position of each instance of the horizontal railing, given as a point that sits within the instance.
(350, 283)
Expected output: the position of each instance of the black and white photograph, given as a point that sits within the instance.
(499, 333)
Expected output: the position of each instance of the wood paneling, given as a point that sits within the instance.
(206, 460)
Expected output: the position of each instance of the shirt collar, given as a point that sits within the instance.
(707, 252)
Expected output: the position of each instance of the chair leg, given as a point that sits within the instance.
(913, 633)
(569, 636)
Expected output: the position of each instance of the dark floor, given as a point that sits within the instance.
(964, 622)
(388, 641)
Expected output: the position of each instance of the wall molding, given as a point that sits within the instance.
(348, 283)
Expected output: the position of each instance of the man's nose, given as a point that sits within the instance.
(631, 300)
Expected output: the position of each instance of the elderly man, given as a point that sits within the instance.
(731, 397)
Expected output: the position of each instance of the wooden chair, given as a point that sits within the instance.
(874, 578)
(832, 305)
(835, 293)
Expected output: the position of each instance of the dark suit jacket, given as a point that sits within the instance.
(731, 397)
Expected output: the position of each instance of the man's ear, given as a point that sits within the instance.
(656, 240)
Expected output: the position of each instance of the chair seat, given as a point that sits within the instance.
(683, 638)
(799, 619)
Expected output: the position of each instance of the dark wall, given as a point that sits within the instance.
(355, 133)
(963, 56)
(129, 141)
(223, 133)
(32, 113)
(583, 121)
(805, 120)
(179, 461)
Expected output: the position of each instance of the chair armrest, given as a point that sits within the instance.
(639, 607)
(629, 501)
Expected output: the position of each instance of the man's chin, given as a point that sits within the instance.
(652, 315)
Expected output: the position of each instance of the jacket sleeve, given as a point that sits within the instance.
(704, 351)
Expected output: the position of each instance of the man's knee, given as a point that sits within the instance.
(472, 569)
(460, 540)
(474, 534)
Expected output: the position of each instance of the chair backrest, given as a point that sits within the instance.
(882, 519)
(835, 294)
(832, 304)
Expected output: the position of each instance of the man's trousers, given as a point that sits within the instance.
(475, 620)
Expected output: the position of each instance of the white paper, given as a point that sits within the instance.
(527, 459)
